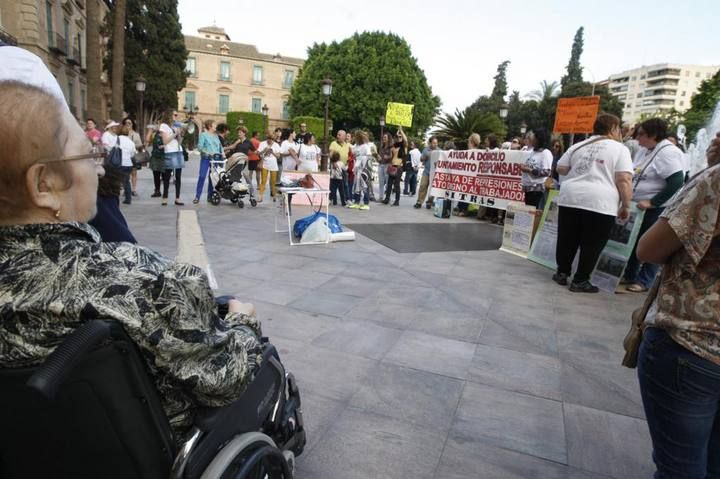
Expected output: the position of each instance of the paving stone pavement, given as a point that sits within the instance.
(426, 365)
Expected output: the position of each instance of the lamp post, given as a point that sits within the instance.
(523, 128)
(503, 112)
(140, 86)
(265, 110)
(382, 130)
(326, 91)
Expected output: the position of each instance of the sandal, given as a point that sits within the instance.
(636, 288)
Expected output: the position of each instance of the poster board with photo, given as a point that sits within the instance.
(613, 259)
(518, 229)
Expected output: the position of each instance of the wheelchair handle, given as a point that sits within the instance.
(53, 372)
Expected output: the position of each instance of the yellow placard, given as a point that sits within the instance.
(399, 114)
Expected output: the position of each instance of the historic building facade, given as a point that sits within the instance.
(226, 76)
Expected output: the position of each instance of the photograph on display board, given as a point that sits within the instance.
(621, 232)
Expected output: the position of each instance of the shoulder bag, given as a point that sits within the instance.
(638, 177)
(634, 336)
(114, 157)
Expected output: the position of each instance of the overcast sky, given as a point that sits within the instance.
(459, 43)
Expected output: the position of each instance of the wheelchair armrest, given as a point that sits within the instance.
(52, 373)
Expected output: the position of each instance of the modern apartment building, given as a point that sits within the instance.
(226, 76)
(55, 30)
(657, 88)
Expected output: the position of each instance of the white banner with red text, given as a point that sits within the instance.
(481, 177)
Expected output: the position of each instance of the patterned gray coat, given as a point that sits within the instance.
(53, 277)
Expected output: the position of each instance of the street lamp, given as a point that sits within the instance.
(503, 112)
(265, 110)
(382, 129)
(523, 128)
(140, 86)
(326, 91)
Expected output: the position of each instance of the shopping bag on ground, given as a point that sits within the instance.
(303, 223)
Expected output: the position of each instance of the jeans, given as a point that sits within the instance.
(127, 188)
(263, 182)
(202, 175)
(585, 230)
(410, 183)
(644, 273)
(681, 396)
(382, 178)
(336, 185)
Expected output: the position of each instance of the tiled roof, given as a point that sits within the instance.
(240, 50)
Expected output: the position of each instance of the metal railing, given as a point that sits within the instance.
(58, 45)
(8, 39)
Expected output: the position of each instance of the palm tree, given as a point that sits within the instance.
(547, 91)
(460, 125)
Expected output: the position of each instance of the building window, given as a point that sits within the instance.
(257, 77)
(225, 71)
(682, 93)
(79, 48)
(191, 66)
(66, 27)
(71, 96)
(189, 100)
(83, 104)
(223, 103)
(687, 73)
(288, 78)
(286, 111)
(634, 78)
(256, 105)
(48, 14)
(697, 74)
(682, 103)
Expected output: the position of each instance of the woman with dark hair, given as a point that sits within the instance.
(659, 173)
(399, 152)
(385, 156)
(129, 123)
(596, 189)
(308, 154)
(288, 150)
(157, 157)
(174, 161)
(209, 145)
(537, 168)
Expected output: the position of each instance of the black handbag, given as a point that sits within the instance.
(114, 157)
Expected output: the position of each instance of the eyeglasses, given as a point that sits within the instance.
(97, 153)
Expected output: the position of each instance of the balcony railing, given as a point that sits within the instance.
(8, 39)
(58, 45)
(74, 58)
(664, 72)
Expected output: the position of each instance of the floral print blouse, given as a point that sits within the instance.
(688, 302)
(54, 277)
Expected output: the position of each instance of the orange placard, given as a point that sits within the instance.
(576, 115)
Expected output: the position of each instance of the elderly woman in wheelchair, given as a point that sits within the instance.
(116, 361)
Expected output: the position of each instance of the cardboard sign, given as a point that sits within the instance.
(518, 230)
(480, 177)
(576, 115)
(399, 114)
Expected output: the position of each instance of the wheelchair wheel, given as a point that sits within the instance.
(215, 198)
(253, 202)
(241, 204)
(252, 456)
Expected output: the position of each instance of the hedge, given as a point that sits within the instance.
(251, 121)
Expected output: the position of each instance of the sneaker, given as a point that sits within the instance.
(395, 203)
(560, 278)
(583, 287)
(364, 207)
(353, 206)
(156, 194)
(417, 206)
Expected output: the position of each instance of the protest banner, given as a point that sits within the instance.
(482, 177)
(576, 115)
(613, 259)
(400, 114)
(518, 229)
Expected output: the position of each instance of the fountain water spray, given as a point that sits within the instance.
(696, 151)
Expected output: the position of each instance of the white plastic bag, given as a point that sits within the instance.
(317, 231)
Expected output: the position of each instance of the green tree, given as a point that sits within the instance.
(702, 105)
(574, 70)
(608, 102)
(368, 70)
(492, 103)
(546, 91)
(154, 49)
(460, 125)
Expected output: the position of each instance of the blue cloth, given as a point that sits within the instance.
(635, 271)
(110, 222)
(202, 174)
(680, 393)
(174, 161)
(209, 143)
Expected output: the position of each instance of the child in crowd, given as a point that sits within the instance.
(336, 178)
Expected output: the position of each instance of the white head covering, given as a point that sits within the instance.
(20, 65)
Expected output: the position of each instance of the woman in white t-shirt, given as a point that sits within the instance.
(308, 154)
(362, 154)
(288, 150)
(127, 146)
(659, 174)
(595, 190)
(174, 161)
(537, 168)
(269, 152)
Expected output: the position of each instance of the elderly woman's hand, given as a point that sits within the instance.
(235, 306)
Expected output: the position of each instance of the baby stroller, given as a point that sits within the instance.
(227, 180)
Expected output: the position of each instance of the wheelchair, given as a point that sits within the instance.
(91, 410)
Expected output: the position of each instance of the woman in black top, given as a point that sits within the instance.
(243, 146)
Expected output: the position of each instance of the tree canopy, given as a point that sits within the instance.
(460, 125)
(154, 49)
(574, 70)
(492, 103)
(702, 105)
(368, 70)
